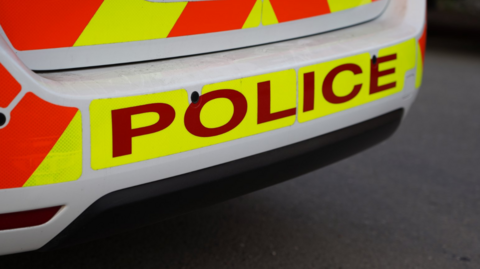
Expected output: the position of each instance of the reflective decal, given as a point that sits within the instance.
(132, 129)
(255, 17)
(118, 21)
(214, 16)
(278, 11)
(41, 144)
(64, 162)
(46, 24)
(335, 86)
(340, 5)
(60, 23)
(421, 47)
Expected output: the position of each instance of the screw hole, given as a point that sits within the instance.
(195, 97)
(374, 59)
(3, 119)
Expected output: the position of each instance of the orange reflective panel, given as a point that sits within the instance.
(423, 42)
(287, 10)
(35, 127)
(212, 16)
(45, 24)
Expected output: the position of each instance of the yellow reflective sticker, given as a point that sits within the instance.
(269, 17)
(406, 60)
(343, 84)
(255, 16)
(64, 162)
(181, 133)
(119, 21)
(339, 5)
(353, 81)
(132, 129)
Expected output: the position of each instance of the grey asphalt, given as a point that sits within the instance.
(411, 202)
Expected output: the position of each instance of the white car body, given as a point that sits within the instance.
(399, 21)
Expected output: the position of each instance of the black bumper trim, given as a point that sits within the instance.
(152, 202)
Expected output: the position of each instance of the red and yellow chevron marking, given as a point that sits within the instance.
(33, 25)
(50, 24)
(194, 19)
(9, 87)
(41, 144)
(421, 47)
(278, 11)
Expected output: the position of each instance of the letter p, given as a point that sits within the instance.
(122, 132)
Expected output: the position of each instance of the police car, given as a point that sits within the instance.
(115, 114)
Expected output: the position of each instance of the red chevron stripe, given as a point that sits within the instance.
(45, 24)
(212, 16)
(288, 10)
(423, 42)
(34, 128)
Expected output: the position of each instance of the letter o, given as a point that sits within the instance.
(192, 116)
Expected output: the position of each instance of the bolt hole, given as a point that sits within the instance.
(195, 97)
(3, 119)
(374, 59)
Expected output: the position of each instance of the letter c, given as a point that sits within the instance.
(328, 92)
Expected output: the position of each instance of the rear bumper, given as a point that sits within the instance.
(77, 90)
(138, 206)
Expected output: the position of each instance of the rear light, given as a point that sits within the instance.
(24, 219)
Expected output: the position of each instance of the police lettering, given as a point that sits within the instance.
(123, 133)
